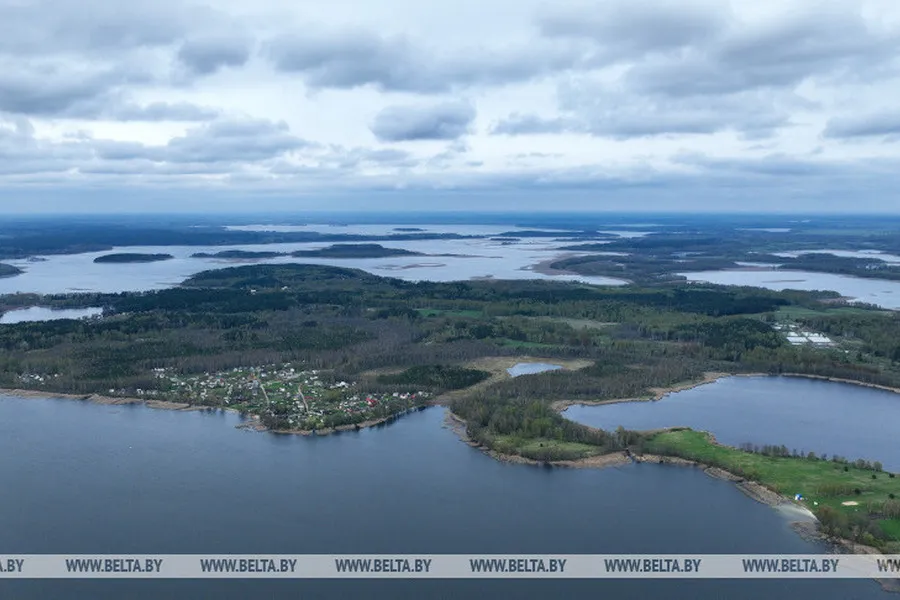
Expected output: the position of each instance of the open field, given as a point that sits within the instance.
(843, 496)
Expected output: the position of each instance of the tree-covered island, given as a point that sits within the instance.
(132, 257)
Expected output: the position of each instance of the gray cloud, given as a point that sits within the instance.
(587, 107)
(769, 165)
(352, 59)
(249, 140)
(160, 111)
(67, 90)
(208, 55)
(445, 121)
(530, 124)
(42, 27)
(116, 107)
(700, 70)
(43, 88)
(822, 41)
(868, 125)
(627, 30)
(78, 59)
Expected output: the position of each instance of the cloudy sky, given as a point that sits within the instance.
(746, 105)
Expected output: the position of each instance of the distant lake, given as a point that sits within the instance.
(42, 313)
(463, 259)
(807, 414)
(89, 478)
(531, 368)
(882, 292)
(873, 254)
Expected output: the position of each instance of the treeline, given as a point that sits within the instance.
(488, 417)
(442, 377)
(782, 451)
(32, 238)
(829, 263)
(132, 257)
(878, 332)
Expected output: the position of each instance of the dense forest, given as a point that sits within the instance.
(132, 257)
(355, 251)
(662, 256)
(238, 254)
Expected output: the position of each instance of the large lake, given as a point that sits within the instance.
(87, 478)
(807, 414)
(443, 260)
(882, 292)
(462, 259)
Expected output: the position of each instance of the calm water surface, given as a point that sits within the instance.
(87, 478)
(807, 414)
(42, 313)
(459, 260)
(884, 293)
(531, 368)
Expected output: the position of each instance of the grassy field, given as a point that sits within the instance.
(543, 448)
(891, 527)
(822, 483)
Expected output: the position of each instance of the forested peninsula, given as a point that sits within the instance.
(9, 270)
(315, 348)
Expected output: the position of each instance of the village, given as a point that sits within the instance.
(286, 397)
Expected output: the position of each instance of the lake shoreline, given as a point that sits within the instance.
(712, 377)
(251, 422)
(458, 425)
(752, 489)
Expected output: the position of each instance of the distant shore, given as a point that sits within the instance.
(100, 399)
(252, 423)
(544, 267)
(711, 377)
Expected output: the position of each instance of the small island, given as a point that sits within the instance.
(132, 257)
(408, 229)
(238, 255)
(9, 270)
(355, 251)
